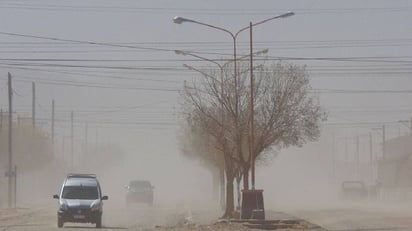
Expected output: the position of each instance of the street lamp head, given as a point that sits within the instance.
(179, 20)
(265, 51)
(188, 67)
(288, 14)
(260, 66)
(179, 52)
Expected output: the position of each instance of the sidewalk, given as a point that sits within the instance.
(6, 214)
(274, 221)
(10, 213)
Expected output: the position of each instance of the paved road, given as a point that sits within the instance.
(139, 217)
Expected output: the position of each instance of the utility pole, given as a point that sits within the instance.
(383, 143)
(370, 148)
(97, 139)
(33, 112)
(357, 155)
(333, 155)
(411, 126)
(346, 150)
(52, 124)
(10, 167)
(63, 151)
(252, 127)
(72, 143)
(15, 186)
(1, 119)
(371, 154)
(86, 148)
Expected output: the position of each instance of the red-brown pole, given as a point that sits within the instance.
(252, 127)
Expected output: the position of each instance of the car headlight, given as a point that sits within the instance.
(63, 206)
(95, 206)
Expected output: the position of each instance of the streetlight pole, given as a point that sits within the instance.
(253, 196)
(252, 154)
(252, 126)
(405, 122)
(10, 173)
(180, 20)
(383, 142)
(383, 128)
(221, 68)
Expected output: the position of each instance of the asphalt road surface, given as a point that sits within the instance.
(139, 217)
(136, 217)
(361, 217)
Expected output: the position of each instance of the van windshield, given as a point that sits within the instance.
(80, 192)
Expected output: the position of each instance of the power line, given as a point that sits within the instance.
(94, 75)
(208, 11)
(21, 62)
(261, 57)
(350, 91)
(111, 122)
(95, 66)
(84, 42)
(102, 86)
(214, 44)
(85, 73)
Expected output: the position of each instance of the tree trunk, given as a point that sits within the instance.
(245, 177)
(230, 205)
(238, 192)
(222, 187)
(215, 185)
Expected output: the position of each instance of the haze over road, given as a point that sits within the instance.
(349, 217)
(114, 218)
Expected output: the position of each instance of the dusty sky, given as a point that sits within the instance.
(358, 53)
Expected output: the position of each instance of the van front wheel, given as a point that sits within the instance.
(99, 221)
(59, 222)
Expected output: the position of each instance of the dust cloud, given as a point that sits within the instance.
(299, 179)
(120, 157)
(308, 182)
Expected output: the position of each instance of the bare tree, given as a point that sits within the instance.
(200, 146)
(33, 147)
(286, 113)
(209, 105)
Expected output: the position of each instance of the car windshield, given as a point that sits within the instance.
(352, 185)
(140, 184)
(80, 192)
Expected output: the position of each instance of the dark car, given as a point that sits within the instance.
(354, 190)
(80, 200)
(139, 191)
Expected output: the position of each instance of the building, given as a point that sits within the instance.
(395, 168)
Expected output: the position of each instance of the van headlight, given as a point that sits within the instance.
(63, 207)
(95, 206)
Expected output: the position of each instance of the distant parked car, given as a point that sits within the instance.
(80, 200)
(354, 190)
(139, 191)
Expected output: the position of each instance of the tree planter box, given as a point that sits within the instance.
(252, 204)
